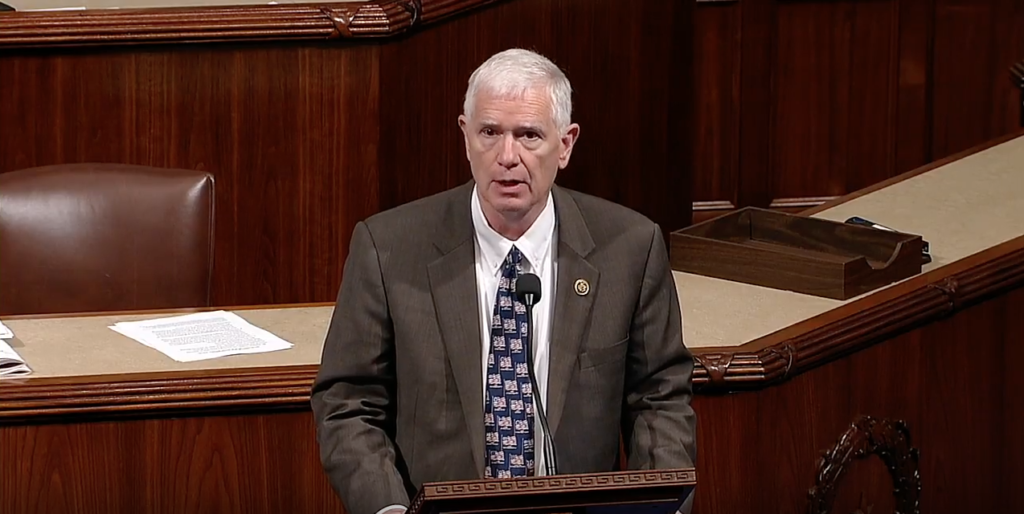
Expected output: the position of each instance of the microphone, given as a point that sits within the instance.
(527, 290)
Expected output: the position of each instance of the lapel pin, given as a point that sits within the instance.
(582, 287)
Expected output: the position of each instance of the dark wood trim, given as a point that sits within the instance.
(792, 203)
(172, 392)
(1017, 75)
(380, 18)
(555, 493)
(757, 85)
(703, 211)
(763, 362)
(581, 483)
(768, 360)
(862, 323)
(710, 209)
(886, 439)
(911, 130)
(434, 10)
(713, 205)
(912, 173)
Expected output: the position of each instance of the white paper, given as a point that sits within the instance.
(200, 336)
(5, 333)
(11, 364)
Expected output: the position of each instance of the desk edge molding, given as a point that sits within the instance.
(782, 356)
(172, 392)
(859, 325)
(245, 23)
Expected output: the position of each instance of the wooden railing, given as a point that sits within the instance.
(232, 23)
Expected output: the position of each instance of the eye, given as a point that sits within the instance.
(531, 135)
(489, 132)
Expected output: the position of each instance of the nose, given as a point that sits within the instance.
(508, 155)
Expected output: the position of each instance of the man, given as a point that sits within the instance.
(426, 373)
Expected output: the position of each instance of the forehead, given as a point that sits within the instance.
(531, 106)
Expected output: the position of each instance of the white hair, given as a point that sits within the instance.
(513, 72)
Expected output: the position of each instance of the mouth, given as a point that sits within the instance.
(509, 184)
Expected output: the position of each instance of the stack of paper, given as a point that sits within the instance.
(205, 335)
(11, 364)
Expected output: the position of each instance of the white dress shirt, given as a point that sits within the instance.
(538, 246)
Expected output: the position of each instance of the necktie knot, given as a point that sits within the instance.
(514, 258)
(513, 266)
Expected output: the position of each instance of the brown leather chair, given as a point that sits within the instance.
(104, 237)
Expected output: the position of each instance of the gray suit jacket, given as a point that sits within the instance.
(398, 400)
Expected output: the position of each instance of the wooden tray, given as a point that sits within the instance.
(796, 253)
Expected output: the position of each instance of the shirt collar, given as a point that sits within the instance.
(534, 244)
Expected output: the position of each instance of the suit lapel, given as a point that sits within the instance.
(454, 291)
(572, 310)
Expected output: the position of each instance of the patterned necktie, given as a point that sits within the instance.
(508, 412)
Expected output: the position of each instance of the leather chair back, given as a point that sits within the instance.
(104, 237)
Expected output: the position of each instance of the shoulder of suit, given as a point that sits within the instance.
(599, 212)
(419, 217)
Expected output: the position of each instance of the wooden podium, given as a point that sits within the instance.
(648, 492)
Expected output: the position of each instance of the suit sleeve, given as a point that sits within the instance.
(659, 425)
(353, 394)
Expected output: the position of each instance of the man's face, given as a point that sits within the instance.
(515, 151)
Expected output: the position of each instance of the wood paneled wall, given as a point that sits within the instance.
(310, 129)
(265, 462)
(631, 80)
(799, 101)
(309, 126)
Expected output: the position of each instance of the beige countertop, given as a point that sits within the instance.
(77, 346)
(962, 208)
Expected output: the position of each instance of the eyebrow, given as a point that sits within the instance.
(527, 127)
(530, 128)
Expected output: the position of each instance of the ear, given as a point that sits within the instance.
(464, 125)
(566, 144)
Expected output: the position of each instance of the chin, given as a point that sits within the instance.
(511, 207)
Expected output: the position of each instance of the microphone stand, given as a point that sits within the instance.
(549, 446)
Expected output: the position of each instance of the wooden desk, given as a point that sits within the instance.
(108, 425)
(782, 377)
(105, 424)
